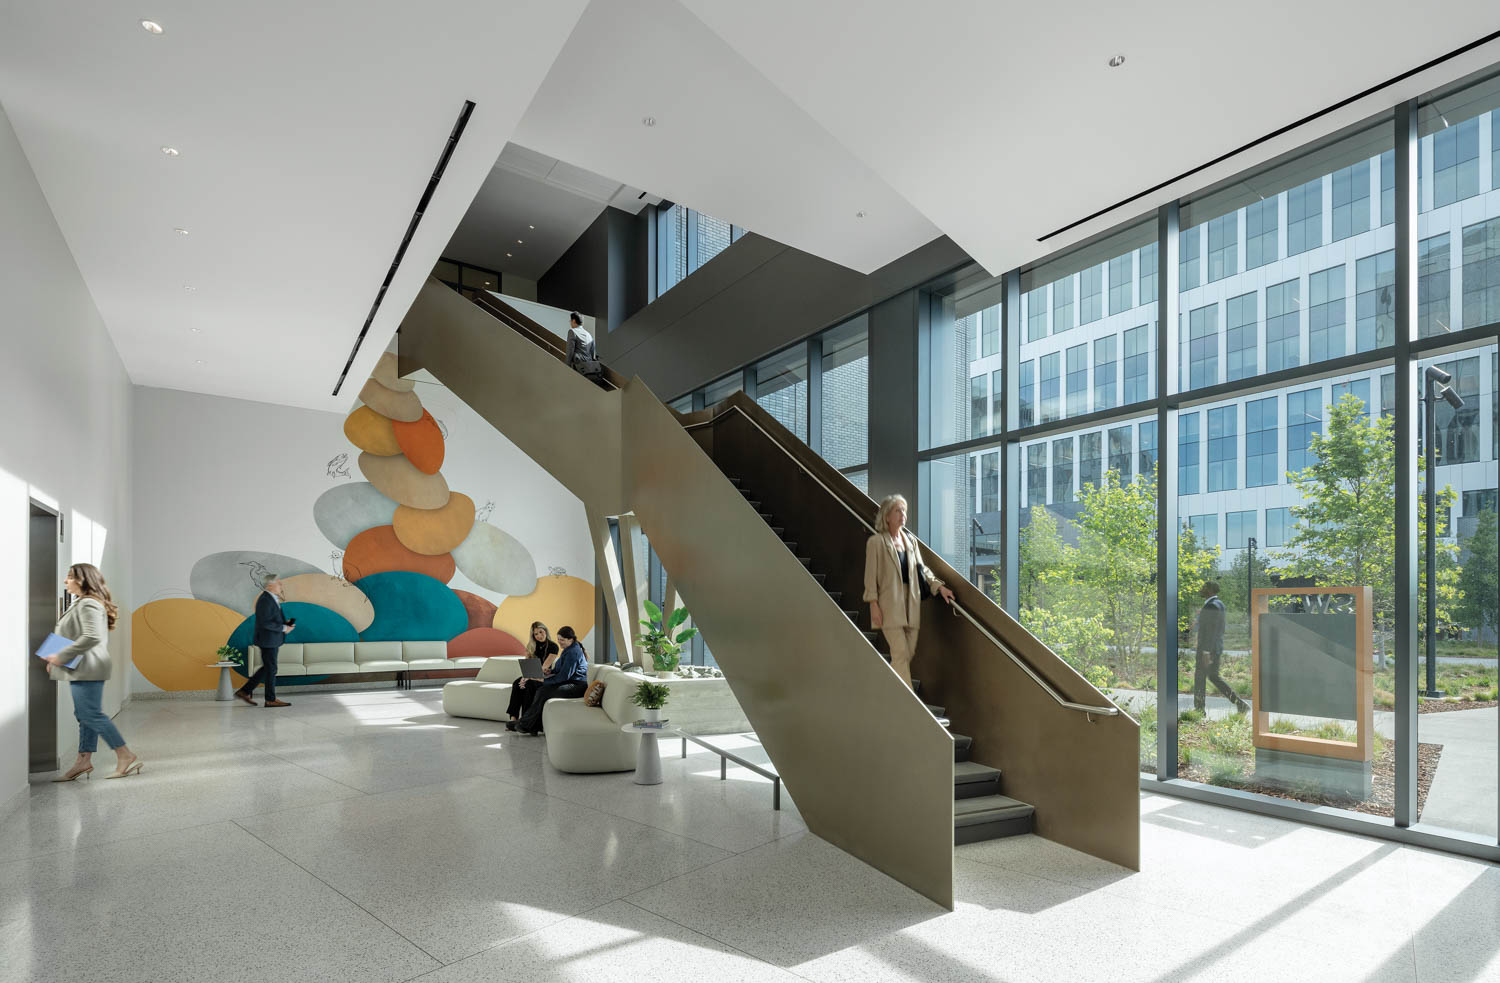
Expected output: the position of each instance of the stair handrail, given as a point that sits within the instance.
(1084, 708)
(490, 303)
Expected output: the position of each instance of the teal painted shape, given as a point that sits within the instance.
(411, 607)
(315, 623)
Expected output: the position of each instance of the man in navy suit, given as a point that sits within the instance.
(270, 631)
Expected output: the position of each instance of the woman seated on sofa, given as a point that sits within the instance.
(568, 679)
(539, 646)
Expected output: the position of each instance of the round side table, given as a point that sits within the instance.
(226, 685)
(648, 757)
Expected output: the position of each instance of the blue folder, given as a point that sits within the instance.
(53, 644)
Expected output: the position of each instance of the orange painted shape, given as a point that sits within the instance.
(421, 442)
(378, 550)
(484, 643)
(369, 431)
(557, 601)
(173, 641)
(435, 531)
(481, 611)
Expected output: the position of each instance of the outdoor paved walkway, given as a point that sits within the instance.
(1465, 793)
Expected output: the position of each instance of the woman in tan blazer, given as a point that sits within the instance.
(88, 621)
(894, 574)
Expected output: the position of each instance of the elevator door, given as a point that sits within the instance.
(42, 614)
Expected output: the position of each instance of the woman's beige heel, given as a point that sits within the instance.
(131, 769)
(75, 775)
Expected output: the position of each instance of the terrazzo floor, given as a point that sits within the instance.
(366, 836)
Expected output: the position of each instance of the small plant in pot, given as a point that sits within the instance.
(228, 653)
(658, 639)
(650, 697)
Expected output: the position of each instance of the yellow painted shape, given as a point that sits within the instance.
(557, 601)
(173, 641)
(433, 532)
(369, 431)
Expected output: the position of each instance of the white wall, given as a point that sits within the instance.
(554, 319)
(217, 474)
(65, 439)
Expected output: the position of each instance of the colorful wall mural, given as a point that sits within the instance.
(399, 537)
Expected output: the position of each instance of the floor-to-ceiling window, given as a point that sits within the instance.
(686, 239)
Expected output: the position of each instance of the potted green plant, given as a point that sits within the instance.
(228, 653)
(651, 697)
(658, 639)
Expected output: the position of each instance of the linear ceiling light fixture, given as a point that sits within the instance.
(1394, 80)
(411, 229)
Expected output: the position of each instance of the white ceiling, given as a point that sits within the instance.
(530, 209)
(1002, 122)
(726, 141)
(308, 132)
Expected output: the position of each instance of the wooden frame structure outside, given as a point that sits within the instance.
(1363, 747)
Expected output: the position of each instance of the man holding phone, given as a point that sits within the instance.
(271, 627)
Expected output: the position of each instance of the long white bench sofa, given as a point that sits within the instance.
(354, 658)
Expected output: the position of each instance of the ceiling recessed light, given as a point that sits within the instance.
(649, 121)
(520, 243)
(859, 214)
(1117, 61)
(189, 288)
(507, 255)
(199, 361)
(171, 151)
(181, 232)
(151, 26)
(531, 227)
(196, 330)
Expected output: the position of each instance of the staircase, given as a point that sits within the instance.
(980, 811)
(842, 729)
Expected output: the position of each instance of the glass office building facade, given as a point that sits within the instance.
(1226, 390)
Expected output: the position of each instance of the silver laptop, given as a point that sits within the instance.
(531, 668)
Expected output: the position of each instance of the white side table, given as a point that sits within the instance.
(648, 757)
(226, 685)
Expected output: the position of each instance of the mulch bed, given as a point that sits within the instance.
(1446, 706)
(1382, 782)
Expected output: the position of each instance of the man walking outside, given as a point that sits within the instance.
(270, 631)
(1210, 624)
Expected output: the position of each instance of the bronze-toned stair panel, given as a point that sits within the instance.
(1082, 776)
(561, 420)
(1080, 771)
(871, 770)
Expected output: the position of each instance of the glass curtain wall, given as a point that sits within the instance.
(818, 389)
(685, 240)
(1280, 422)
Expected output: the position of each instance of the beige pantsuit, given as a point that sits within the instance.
(900, 602)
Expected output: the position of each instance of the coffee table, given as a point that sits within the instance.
(226, 685)
(648, 756)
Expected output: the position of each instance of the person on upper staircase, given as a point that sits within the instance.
(896, 581)
(581, 357)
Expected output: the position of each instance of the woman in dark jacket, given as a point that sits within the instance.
(539, 646)
(568, 679)
(87, 622)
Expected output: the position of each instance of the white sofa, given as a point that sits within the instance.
(583, 739)
(352, 658)
(487, 695)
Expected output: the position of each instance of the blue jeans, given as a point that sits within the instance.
(93, 723)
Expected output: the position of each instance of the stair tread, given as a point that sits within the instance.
(965, 772)
(988, 808)
(935, 711)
